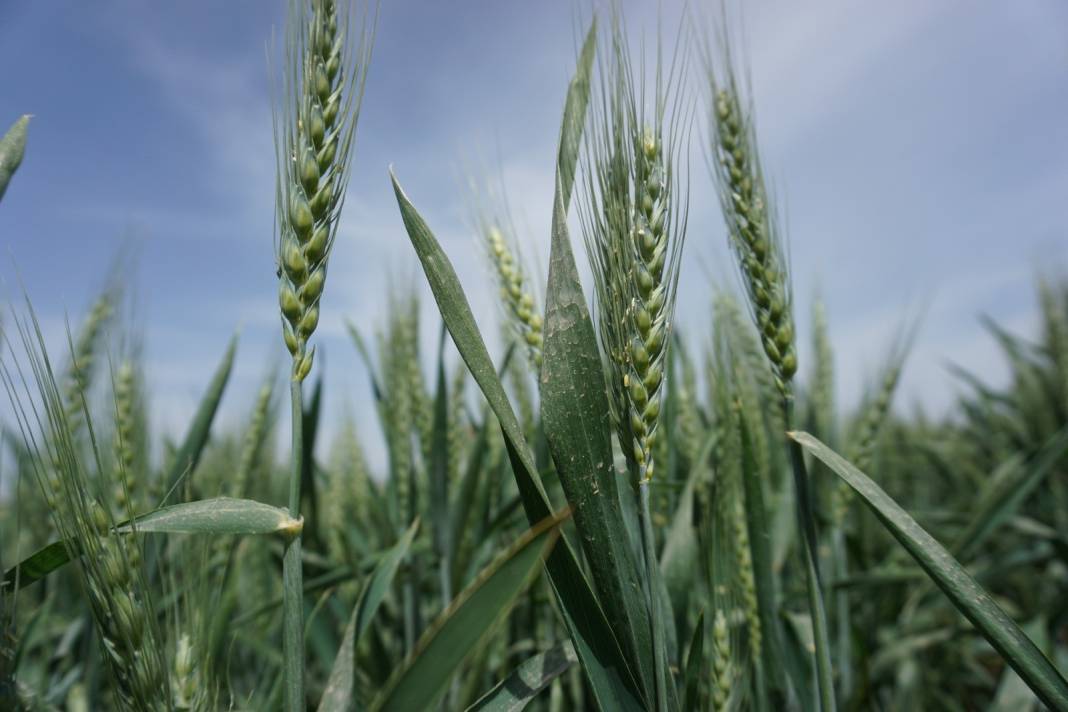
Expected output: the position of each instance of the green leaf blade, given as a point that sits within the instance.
(968, 596)
(576, 418)
(185, 460)
(471, 617)
(220, 515)
(516, 691)
(37, 565)
(611, 680)
(341, 685)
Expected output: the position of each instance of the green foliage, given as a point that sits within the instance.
(970, 598)
(731, 580)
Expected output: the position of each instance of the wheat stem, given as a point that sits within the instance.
(652, 574)
(759, 249)
(292, 573)
(807, 524)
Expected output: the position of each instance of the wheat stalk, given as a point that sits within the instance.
(821, 395)
(84, 352)
(394, 347)
(873, 416)
(634, 224)
(757, 242)
(314, 132)
(753, 232)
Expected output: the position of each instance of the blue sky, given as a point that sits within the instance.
(919, 149)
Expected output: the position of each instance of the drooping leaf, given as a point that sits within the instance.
(37, 565)
(969, 597)
(1012, 694)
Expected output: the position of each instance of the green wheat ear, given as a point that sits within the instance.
(524, 318)
(76, 484)
(492, 223)
(752, 228)
(634, 225)
(314, 134)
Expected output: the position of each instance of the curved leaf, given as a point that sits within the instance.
(968, 596)
(611, 681)
(460, 628)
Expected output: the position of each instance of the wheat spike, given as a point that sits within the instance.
(314, 134)
(634, 225)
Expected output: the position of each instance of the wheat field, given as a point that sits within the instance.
(613, 511)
